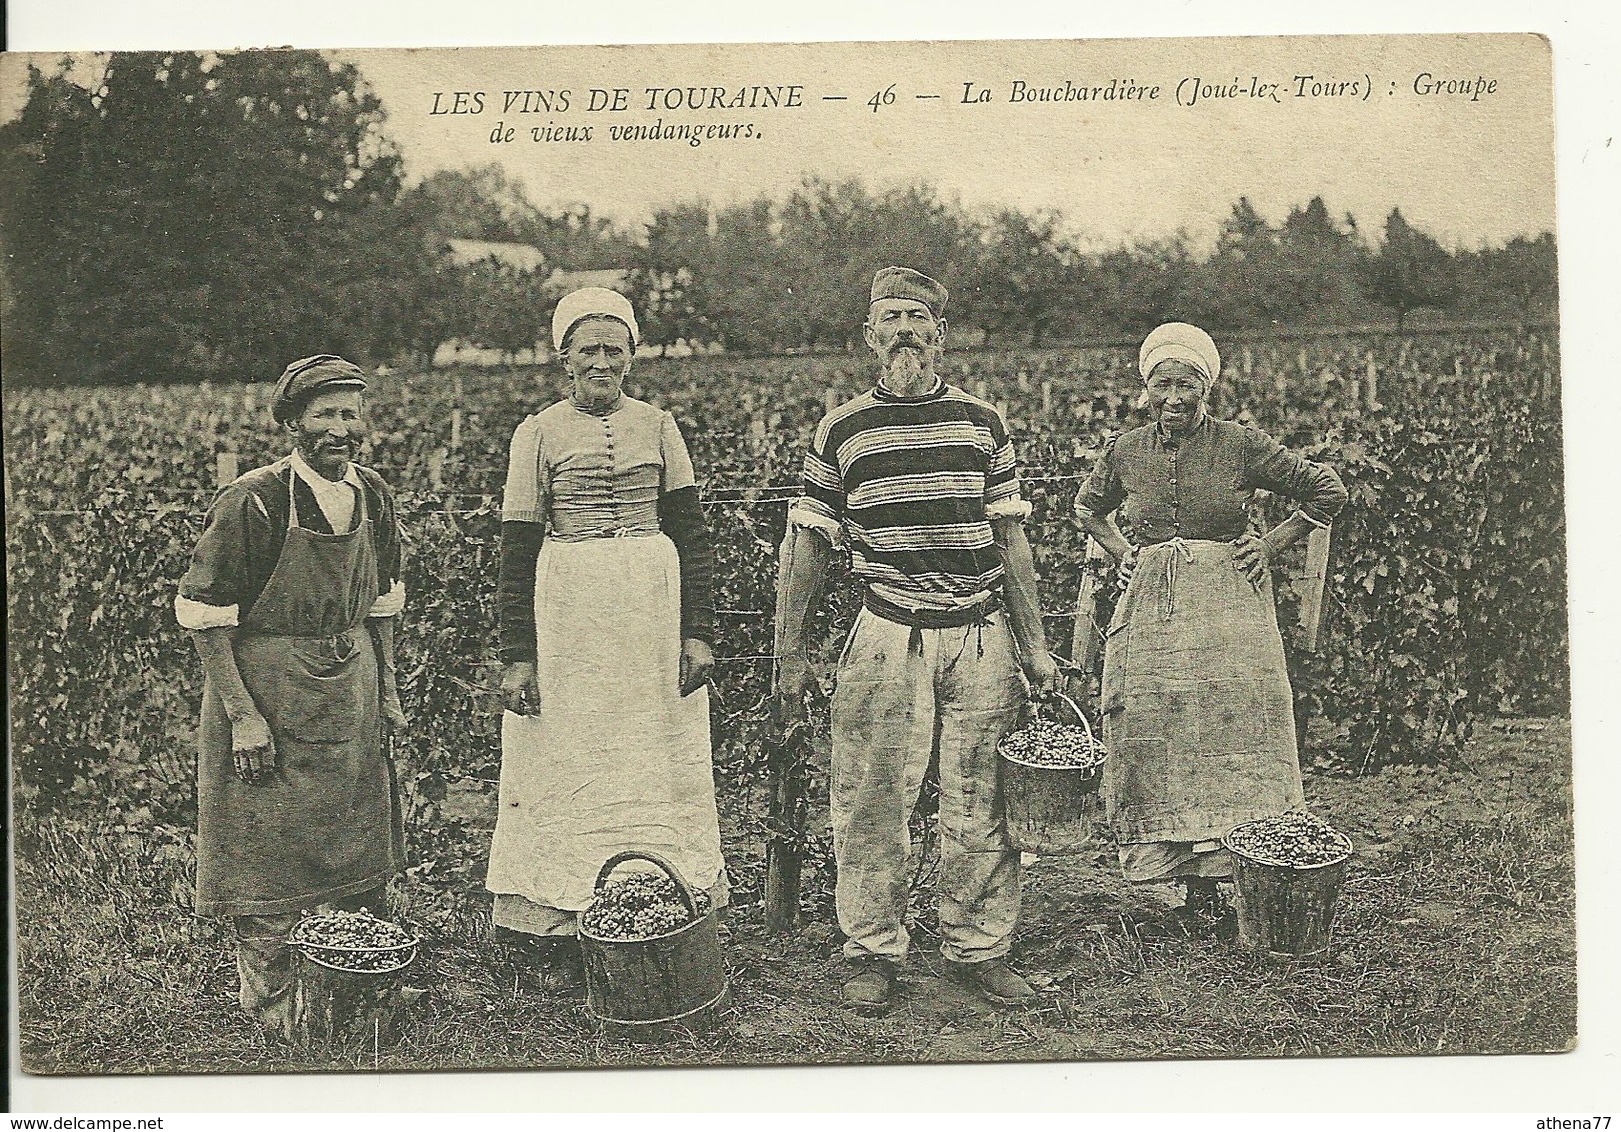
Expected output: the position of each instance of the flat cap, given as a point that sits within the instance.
(1182, 342)
(589, 301)
(300, 380)
(904, 283)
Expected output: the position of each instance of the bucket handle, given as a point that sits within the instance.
(652, 858)
(1079, 714)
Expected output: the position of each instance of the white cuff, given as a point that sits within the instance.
(391, 603)
(1318, 523)
(801, 516)
(195, 615)
(1014, 508)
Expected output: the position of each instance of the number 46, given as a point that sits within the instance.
(885, 97)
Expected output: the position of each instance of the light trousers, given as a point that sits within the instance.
(903, 695)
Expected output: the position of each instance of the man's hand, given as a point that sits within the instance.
(697, 658)
(1041, 671)
(1253, 558)
(519, 692)
(251, 747)
(794, 679)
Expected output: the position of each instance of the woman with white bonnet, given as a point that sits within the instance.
(606, 622)
(1198, 715)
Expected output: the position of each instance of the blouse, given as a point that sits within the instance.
(1202, 486)
(589, 475)
(575, 474)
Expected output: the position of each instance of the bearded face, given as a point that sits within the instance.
(907, 339)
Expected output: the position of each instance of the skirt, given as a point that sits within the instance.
(615, 758)
(1198, 715)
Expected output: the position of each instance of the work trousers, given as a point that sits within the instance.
(904, 694)
(264, 962)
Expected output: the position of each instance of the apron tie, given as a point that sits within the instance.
(1178, 549)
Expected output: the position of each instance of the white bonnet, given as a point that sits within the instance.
(585, 303)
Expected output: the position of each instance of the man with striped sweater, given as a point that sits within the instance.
(918, 480)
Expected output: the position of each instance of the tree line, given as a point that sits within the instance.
(189, 216)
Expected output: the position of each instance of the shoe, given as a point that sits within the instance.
(994, 979)
(872, 985)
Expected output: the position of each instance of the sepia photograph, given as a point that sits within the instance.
(786, 554)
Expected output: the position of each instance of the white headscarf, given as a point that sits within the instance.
(1182, 342)
(585, 303)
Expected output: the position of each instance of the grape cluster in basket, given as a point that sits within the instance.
(1044, 743)
(640, 905)
(354, 941)
(1296, 839)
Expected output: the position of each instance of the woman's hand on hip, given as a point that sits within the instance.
(252, 749)
(1124, 569)
(519, 692)
(697, 658)
(1252, 557)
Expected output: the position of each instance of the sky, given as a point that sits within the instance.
(1469, 170)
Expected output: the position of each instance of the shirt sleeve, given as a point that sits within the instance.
(682, 519)
(1003, 497)
(523, 499)
(213, 588)
(676, 470)
(1316, 487)
(1103, 492)
(820, 506)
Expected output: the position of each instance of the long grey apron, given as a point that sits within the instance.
(1198, 717)
(324, 823)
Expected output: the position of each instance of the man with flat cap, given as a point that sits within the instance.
(291, 600)
(918, 481)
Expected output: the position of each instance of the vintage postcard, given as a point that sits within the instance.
(786, 554)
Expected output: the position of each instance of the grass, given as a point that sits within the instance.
(1455, 934)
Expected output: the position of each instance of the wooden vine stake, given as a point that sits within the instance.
(786, 745)
(1086, 642)
(1307, 584)
(225, 467)
(1314, 582)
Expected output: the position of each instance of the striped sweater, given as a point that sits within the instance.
(911, 484)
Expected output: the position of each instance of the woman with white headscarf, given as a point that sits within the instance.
(1198, 714)
(606, 621)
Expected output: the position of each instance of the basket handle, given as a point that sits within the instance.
(1079, 714)
(652, 858)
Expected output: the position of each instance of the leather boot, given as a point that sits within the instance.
(870, 987)
(994, 979)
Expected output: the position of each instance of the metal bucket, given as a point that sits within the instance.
(652, 988)
(1049, 808)
(1286, 910)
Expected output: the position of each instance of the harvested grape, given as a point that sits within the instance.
(1044, 743)
(640, 905)
(354, 941)
(1296, 839)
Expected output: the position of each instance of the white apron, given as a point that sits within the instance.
(615, 758)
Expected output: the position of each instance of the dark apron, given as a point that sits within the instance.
(324, 823)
